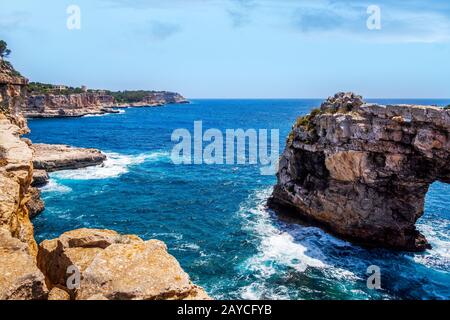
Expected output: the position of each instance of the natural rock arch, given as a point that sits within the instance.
(362, 170)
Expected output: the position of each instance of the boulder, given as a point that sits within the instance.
(20, 279)
(114, 266)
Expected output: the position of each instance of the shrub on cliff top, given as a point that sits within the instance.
(4, 51)
(447, 107)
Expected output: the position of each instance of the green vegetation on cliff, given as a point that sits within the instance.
(129, 96)
(447, 107)
(45, 88)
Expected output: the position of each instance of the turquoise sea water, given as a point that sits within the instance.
(213, 217)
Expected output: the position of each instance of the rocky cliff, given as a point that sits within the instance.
(81, 104)
(112, 266)
(72, 105)
(362, 170)
(19, 276)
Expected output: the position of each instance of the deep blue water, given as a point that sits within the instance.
(213, 218)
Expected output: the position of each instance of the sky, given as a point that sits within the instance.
(235, 48)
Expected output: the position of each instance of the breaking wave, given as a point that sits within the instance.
(54, 186)
(114, 166)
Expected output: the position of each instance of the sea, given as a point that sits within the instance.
(213, 217)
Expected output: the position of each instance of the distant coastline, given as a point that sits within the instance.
(59, 101)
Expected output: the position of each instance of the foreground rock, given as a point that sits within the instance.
(20, 279)
(54, 157)
(115, 266)
(362, 170)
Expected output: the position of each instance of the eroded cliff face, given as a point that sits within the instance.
(19, 276)
(81, 104)
(72, 105)
(362, 170)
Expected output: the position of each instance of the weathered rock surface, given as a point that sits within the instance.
(362, 170)
(58, 294)
(54, 157)
(19, 276)
(89, 103)
(115, 266)
(72, 105)
(15, 179)
(12, 94)
(40, 178)
(35, 204)
(20, 279)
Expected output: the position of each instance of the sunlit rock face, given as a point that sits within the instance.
(362, 170)
(114, 266)
(19, 276)
(71, 105)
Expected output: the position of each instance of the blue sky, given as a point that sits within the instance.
(235, 48)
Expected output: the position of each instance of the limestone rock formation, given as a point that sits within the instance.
(12, 93)
(40, 178)
(54, 157)
(115, 266)
(72, 105)
(362, 170)
(15, 179)
(156, 99)
(35, 204)
(20, 279)
(53, 105)
(19, 276)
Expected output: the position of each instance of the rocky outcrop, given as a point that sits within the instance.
(362, 170)
(114, 266)
(156, 99)
(12, 93)
(55, 157)
(35, 204)
(19, 276)
(40, 178)
(160, 98)
(72, 105)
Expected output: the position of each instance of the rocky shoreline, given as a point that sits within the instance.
(101, 258)
(362, 170)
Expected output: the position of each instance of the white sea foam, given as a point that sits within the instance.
(439, 256)
(120, 111)
(284, 246)
(276, 246)
(114, 166)
(54, 186)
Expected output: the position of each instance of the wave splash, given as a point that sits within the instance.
(114, 166)
(54, 186)
(282, 247)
